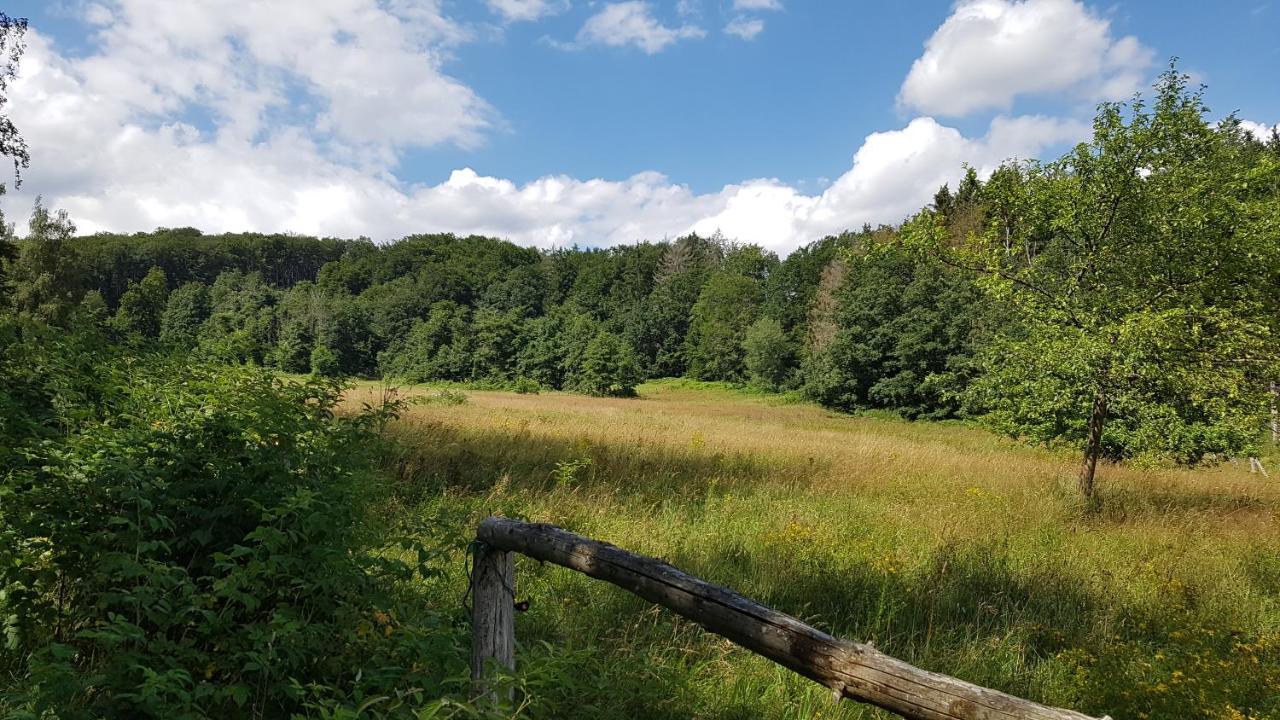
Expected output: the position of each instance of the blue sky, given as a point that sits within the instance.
(802, 95)
(593, 122)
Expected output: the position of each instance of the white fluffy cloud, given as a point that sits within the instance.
(632, 23)
(360, 71)
(526, 10)
(990, 51)
(893, 174)
(1261, 131)
(745, 28)
(109, 145)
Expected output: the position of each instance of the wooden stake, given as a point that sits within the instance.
(493, 632)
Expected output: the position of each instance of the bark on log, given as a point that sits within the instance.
(852, 670)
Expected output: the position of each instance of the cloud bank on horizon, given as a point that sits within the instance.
(312, 114)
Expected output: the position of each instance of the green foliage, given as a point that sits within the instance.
(185, 542)
(725, 308)
(185, 311)
(522, 292)
(541, 355)
(658, 333)
(436, 348)
(142, 307)
(112, 261)
(565, 474)
(526, 386)
(792, 286)
(242, 322)
(607, 368)
(343, 331)
(297, 317)
(13, 32)
(493, 343)
(324, 363)
(53, 380)
(905, 333)
(768, 354)
(443, 396)
(46, 278)
(8, 253)
(1140, 266)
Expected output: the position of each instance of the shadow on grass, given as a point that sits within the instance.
(430, 457)
(1122, 504)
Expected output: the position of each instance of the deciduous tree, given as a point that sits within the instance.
(1142, 266)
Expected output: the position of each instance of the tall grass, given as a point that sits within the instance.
(940, 543)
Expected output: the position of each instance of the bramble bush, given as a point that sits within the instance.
(181, 540)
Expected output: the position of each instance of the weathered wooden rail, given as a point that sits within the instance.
(852, 670)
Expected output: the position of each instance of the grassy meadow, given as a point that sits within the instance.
(940, 543)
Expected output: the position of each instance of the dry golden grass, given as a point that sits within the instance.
(960, 550)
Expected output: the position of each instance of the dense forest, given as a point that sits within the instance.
(174, 510)
(1135, 274)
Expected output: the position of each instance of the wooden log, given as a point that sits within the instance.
(852, 670)
(493, 632)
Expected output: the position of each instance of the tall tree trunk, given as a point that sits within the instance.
(1093, 446)
(1275, 416)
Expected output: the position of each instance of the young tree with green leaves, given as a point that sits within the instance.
(608, 368)
(242, 323)
(1141, 267)
(185, 311)
(658, 332)
(903, 329)
(46, 277)
(13, 44)
(436, 348)
(727, 305)
(142, 307)
(324, 363)
(769, 355)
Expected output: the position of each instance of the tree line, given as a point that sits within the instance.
(1121, 298)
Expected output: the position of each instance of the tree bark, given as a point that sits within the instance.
(1275, 416)
(1093, 446)
(493, 633)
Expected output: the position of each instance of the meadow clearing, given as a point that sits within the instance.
(940, 543)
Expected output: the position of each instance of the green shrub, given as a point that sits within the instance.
(190, 544)
(767, 353)
(185, 311)
(608, 368)
(443, 396)
(526, 386)
(142, 306)
(324, 363)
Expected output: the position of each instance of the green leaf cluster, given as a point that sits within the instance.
(190, 540)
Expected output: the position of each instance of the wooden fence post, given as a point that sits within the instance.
(850, 670)
(493, 633)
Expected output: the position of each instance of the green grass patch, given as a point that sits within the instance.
(944, 545)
